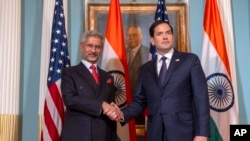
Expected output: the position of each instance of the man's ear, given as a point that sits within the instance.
(80, 46)
(152, 41)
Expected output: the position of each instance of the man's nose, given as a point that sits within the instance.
(165, 36)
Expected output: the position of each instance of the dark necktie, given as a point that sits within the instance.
(94, 73)
(130, 57)
(163, 71)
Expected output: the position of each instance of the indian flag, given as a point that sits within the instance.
(115, 62)
(219, 68)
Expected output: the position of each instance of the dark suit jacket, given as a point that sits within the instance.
(181, 105)
(141, 57)
(83, 98)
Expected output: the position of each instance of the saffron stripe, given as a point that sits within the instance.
(215, 31)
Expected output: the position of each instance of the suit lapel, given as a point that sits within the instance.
(102, 80)
(87, 76)
(153, 70)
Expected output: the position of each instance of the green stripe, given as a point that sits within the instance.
(214, 132)
(118, 138)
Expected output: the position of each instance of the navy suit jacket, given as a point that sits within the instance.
(83, 99)
(181, 105)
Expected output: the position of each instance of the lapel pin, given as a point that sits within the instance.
(177, 60)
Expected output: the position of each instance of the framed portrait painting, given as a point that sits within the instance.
(142, 14)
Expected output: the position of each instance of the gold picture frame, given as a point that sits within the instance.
(177, 13)
(143, 13)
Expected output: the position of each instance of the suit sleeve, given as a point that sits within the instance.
(138, 103)
(201, 101)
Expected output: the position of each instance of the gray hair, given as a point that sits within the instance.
(92, 33)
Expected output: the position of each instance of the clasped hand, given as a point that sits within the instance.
(112, 111)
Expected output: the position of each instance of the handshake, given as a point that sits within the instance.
(112, 111)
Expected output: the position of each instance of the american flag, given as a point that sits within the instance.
(59, 59)
(160, 14)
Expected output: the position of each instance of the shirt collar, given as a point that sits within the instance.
(87, 64)
(169, 55)
(134, 50)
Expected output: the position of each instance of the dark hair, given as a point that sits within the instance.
(135, 26)
(155, 24)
